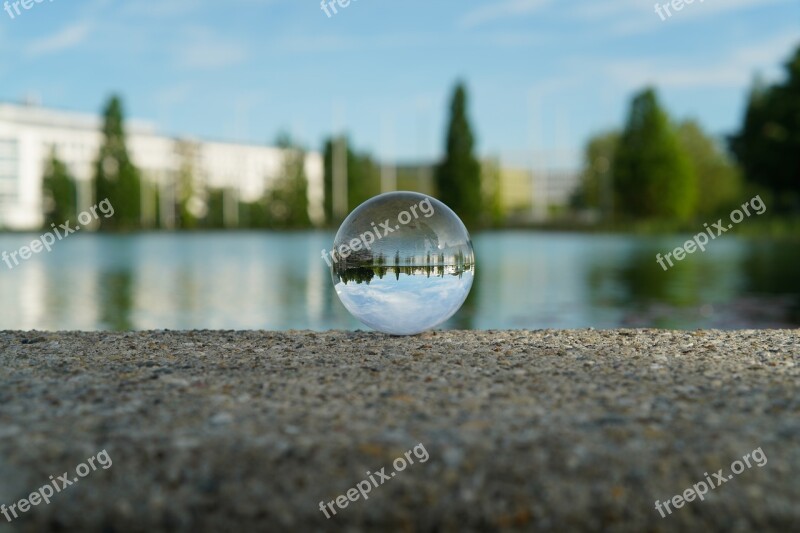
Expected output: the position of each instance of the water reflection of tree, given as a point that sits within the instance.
(770, 268)
(673, 298)
(365, 274)
(116, 299)
(368, 259)
(357, 274)
(638, 282)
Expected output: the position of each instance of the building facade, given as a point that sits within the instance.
(29, 133)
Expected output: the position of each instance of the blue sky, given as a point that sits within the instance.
(542, 74)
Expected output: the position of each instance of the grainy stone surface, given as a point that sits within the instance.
(525, 430)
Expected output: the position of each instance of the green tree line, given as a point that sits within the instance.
(653, 168)
(458, 179)
(656, 168)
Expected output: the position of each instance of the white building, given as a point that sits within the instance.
(28, 133)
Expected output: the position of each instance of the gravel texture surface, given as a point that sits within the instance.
(520, 430)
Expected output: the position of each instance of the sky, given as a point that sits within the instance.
(542, 75)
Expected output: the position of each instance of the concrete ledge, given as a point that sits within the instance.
(543, 430)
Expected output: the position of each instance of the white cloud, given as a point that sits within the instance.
(735, 71)
(508, 39)
(328, 43)
(319, 43)
(632, 17)
(406, 306)
(699, 8)
(162, 9)
(203, 49)
(68, 37)
(715, 7)
(598, 10)
(168, 9)
(500, 11)
(4, 58)
(173, 94)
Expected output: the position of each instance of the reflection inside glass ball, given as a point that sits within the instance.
(402, 263)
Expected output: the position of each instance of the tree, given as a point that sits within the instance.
(59, 191)
(719, 183)
(190, 197)
(115, 176)
(215, 215)
(458, 176)
(327, 178)
(652, 176)
(491, 173)
(768, 143)
(287, 198)
(363, 176)
(596, 186)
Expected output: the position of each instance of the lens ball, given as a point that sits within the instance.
(402, 263)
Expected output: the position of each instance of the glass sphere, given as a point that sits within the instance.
(402, 263)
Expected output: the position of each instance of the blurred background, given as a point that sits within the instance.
(576, 140)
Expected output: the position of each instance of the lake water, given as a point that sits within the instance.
(256, 280)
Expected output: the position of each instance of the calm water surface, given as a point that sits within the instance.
(252, 280)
